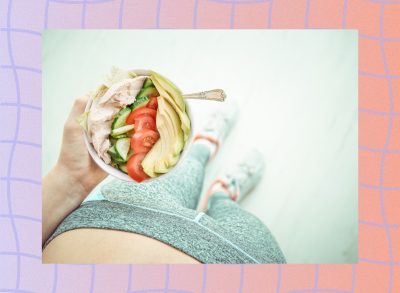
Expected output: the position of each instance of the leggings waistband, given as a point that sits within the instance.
(192, 233)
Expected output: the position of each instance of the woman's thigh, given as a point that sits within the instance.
(90, 245)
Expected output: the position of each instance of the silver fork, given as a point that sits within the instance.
(212, 95)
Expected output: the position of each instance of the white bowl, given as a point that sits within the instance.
(118, 173)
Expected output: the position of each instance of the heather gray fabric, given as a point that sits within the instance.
(164, 210)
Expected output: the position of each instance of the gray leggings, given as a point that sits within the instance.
(164, 209)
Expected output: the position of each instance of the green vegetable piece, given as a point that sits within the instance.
(147, 92)
(117, 132)
(148, 83)
(140, 102)
(123, 168)
(122, 148)
(115, 157)
(120, 119)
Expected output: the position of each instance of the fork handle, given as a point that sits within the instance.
(213, 95)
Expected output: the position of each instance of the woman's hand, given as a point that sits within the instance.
(74, 159)
(72, 178)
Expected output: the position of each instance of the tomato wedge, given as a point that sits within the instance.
(153, 103)
(135, 169)
(144, 121)
(142, 141)
(140, 111)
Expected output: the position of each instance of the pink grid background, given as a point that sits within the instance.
(22, 22)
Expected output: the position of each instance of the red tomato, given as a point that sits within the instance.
(140, 111)
(142, 141)
(153, 103)
(144, 121)
(135, 169)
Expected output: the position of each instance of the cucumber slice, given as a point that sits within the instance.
(140, 102)
(122, 130)
(115, 157)
(123, 168)
(122, 147)
(112, 151)
(120, 119)
(148, 82)
(147, 92)
(118, 137)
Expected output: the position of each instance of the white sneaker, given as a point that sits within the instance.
(238, 182)
(218, 125)
(245, 175)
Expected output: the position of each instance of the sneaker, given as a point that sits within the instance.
(219, 124)
(246, 175)
(238, 182)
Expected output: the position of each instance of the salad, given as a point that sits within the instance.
(137, 123)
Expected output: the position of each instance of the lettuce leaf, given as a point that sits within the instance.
(82, 120)
(118, 74)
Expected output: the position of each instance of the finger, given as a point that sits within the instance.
(78, 107)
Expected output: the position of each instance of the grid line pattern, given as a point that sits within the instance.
(378, 22)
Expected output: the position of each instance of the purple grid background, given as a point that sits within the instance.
(21, 24)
